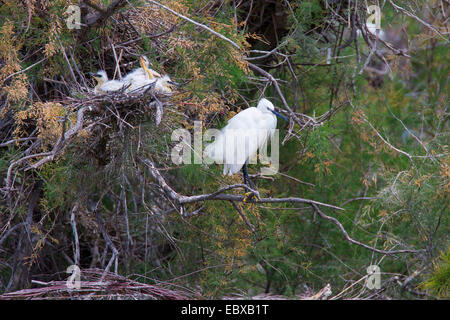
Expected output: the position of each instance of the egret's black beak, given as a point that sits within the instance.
(280, 115)
(174, 83)
(94, 74)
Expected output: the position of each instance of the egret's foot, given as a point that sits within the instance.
(248, 196)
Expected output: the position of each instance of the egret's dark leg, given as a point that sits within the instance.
(248, 195)
(244, 173)
(247, 180)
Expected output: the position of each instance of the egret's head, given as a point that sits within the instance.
(165, 84)
(100, 76)
(266, 106)
(145, 63)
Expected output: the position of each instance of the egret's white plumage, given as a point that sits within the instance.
(241, 138)
(139, 82)
(104, 85)
(135, 74)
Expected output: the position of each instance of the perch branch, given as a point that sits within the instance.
(219, 195)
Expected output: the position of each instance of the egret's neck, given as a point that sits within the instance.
(147, 72)
(99, 84)
(162, 86)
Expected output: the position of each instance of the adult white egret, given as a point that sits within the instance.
(240, 139)
(104, 85)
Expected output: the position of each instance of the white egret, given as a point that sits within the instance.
(240, 139)
(104, 85)
(145, 65)
(163, 83)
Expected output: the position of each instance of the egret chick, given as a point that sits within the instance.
(140, 77)
(240, 139)
(104, 85)
(164, 85)
(139, 72)
(152, 73)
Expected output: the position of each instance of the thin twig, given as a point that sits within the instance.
(351, 240)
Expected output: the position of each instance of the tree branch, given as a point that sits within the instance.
(220, 195)
(351, 240)
(103, 14)
(234, 44)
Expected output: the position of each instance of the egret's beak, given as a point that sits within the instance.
(174, 83)
(280, 115)
(142, 61)
(95, 75)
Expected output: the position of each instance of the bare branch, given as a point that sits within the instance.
(75, 235)
(219, 194)
(103, 14)
(351, 240)
(234, 44)
(429, 26)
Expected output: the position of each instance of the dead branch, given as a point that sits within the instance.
(234, 44)
(429, 26)
(102, 14)
(75, 235)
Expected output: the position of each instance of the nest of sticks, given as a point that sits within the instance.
(90, 113)
(100, 285)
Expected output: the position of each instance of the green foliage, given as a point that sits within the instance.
(439, 281)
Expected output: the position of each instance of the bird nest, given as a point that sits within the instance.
(86, 118)
(100, 285)
(123, 105)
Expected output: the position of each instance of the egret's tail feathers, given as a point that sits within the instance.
(230, 169)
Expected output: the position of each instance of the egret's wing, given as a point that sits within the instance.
(137, 73)
(217, 150)
(139, 82)
(270, 122)
(245, 119)
(112, 85)
(238, 141)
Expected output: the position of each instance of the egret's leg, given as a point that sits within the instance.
(247, 181)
